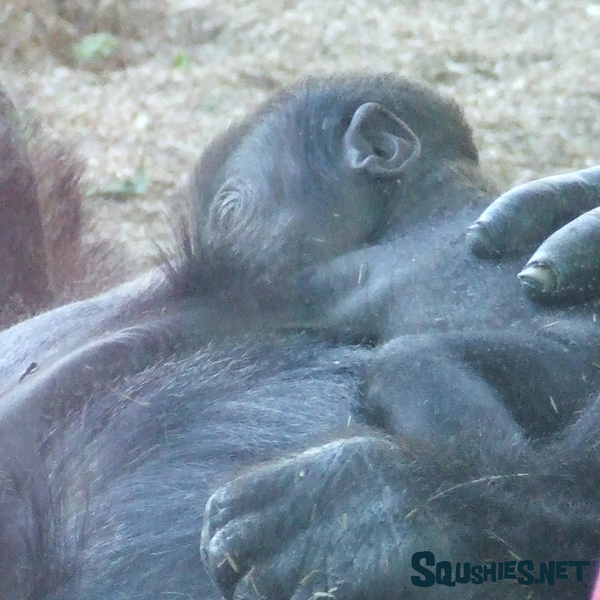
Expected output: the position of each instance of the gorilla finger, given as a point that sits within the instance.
(527, 214)
(228, 552)
(288, 574)
(250, 493)
(567, 265)
(231, 551)
(262, 583)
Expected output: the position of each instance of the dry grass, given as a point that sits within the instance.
(526, 72)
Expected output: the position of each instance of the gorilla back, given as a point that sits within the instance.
(111, 503)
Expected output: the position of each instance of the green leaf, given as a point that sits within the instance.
(181, 61)
(95, 46)
(136, 185)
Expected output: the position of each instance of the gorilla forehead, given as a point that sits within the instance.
(306, 121)
(322, 104)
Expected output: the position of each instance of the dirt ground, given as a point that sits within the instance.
(171, 74)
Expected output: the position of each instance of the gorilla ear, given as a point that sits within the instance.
(378, 142)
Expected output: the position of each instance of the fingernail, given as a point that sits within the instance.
(539, 278)
(480, 242)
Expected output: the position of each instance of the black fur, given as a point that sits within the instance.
(327, 319)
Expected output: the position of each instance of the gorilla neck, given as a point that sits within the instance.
(423, 279)
(440, 190)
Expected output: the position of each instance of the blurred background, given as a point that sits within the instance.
(141, 86)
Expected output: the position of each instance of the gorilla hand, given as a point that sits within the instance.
(330, 522)
(562, 209)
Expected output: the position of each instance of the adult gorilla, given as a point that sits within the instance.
(335, 214)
